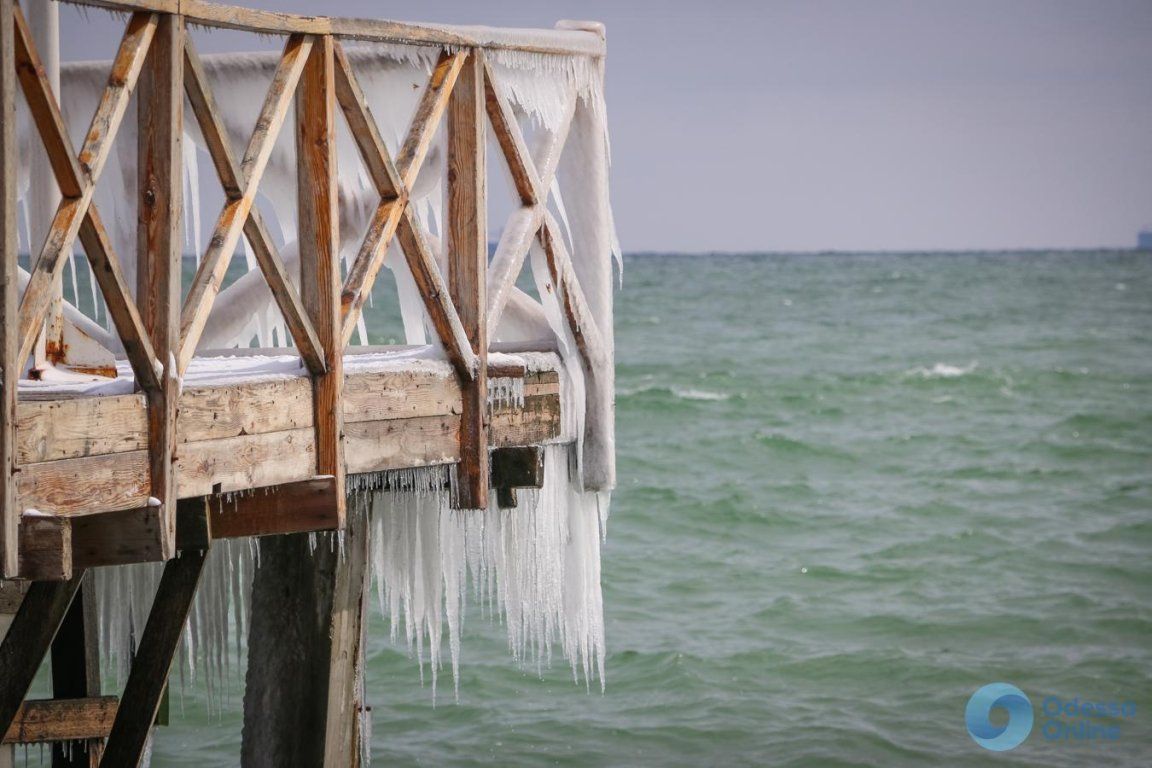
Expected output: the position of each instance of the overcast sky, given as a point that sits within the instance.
(841, 124)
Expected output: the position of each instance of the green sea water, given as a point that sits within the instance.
(853, 489)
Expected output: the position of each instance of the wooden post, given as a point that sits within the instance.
(9, 328)
(159, 246)
(76, 672)
(301, 708)
(152, 662)
(319, 232)
(28, 640)
(467, 231)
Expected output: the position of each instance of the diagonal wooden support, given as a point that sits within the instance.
(467, 245)
(77, 214)
(28, 640)
(532, 186)
(319, 233)
(153, 660)
(10, 367)
(392, 181)
(581, 321)
(235, 213)
(231, 177)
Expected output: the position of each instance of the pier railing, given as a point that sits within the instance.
(160, 327)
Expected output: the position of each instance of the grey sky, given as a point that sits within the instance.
(823, 124)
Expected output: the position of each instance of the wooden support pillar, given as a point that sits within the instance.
(28, 640)
(149, 674)
(9, 327)
(76, 672)
(301, 707)
(160, 97)
(319, 233)
(467, 231)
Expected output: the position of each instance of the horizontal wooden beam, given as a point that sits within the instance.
(306, 506)
(46, 720)
(45, 547)
(207, 14)
(516, 467)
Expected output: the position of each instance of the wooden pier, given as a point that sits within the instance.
(142, 476)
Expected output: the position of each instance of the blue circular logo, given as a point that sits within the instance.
(978, 717)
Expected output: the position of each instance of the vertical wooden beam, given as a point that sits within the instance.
(28, 640)
(76, 672)
(9, 299)
(301, 706)
(152, 662)
(319, 251)
(467, 231)
(158, 241)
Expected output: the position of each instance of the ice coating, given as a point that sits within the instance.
(537, 566)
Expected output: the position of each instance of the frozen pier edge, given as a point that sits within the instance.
(229, 456)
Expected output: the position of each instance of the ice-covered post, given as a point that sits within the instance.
(468, 270)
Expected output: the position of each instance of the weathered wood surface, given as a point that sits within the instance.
(309, 505)
(319, 238)
(300, 702)
(233, 180)
(28, 640)
(153, 660)
(159, 245)
(45, 548)
(235, 213)
(76, 679)
(211, 14)
(76, 486)
(9, 297)
(117, 538)
(74, 719)
(467, 246)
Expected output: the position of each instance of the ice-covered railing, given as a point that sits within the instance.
(346, 204)
(401, 181)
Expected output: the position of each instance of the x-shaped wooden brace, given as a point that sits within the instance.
(240, 182)
(77, 177)
(392, 216)
(533, 220)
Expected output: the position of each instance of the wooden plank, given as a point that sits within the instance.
(435, 295)
(245, 462)
(159, 247)
(319, 238)
(364, 129)
(516, 467)
(117, 538)
(45, 548)
(109, 482)
(11, 595)
(232, 177)
(246, 408)
(214, 264)
(38, 94)
(403, 395)
(10, 366)
(211, 14)
(75, 176)
(76, 678)
(512, 144)
(426, 119)
(152, 662)
(309, 505)
(28, 640)
(375, 446)
(48, 720)
(467, 247)
(50, 430)
(119, 302)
